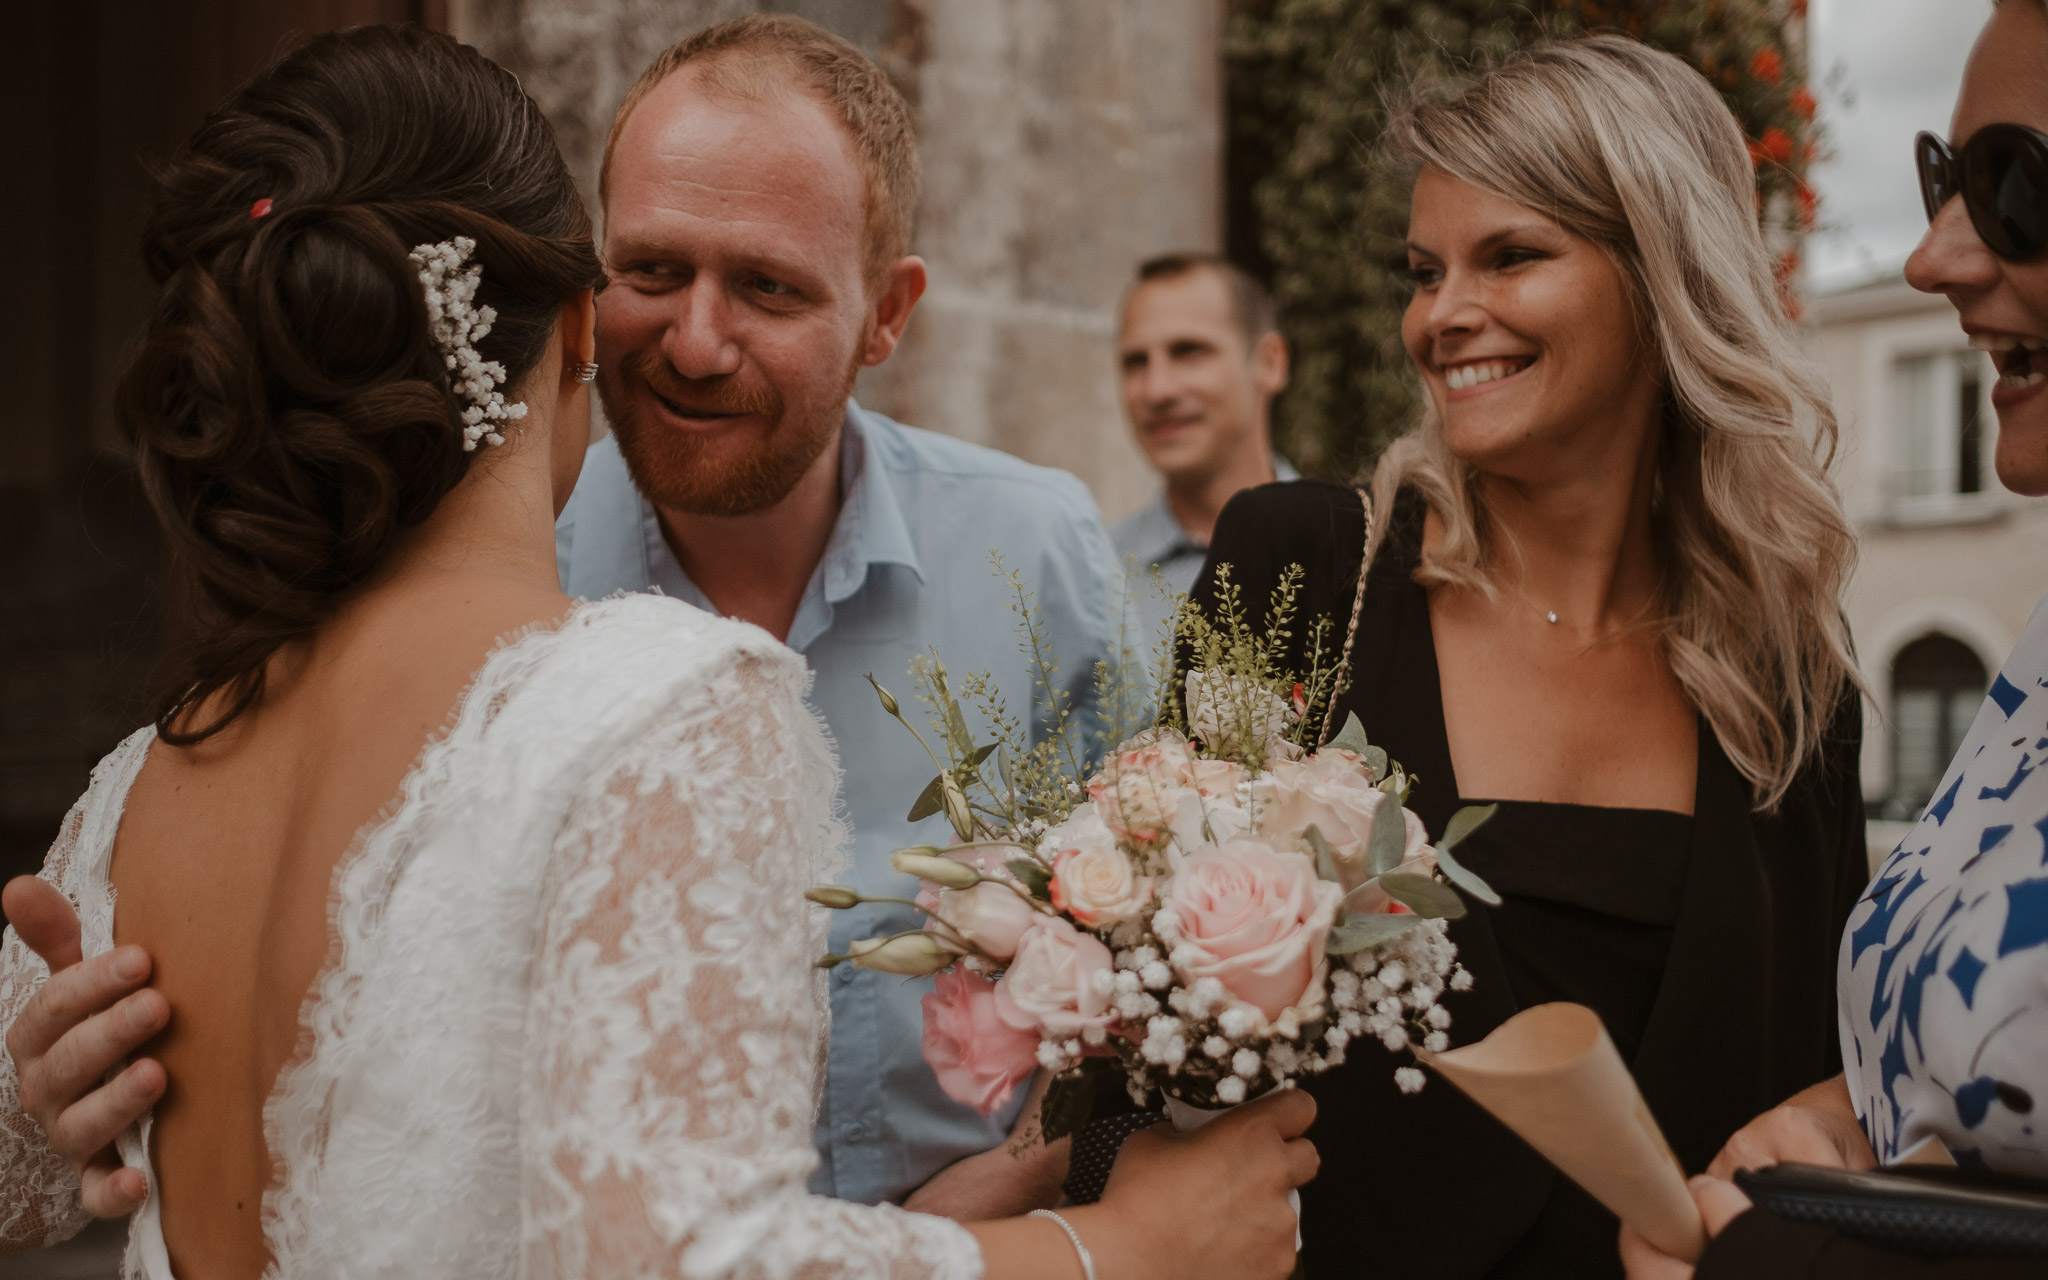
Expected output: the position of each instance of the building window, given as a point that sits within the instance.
(1938, 426)
(1937, 685)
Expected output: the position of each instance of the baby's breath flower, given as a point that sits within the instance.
(1230, 1091)
(1408, 1079)
(1245, 1063)
(1436, 1042)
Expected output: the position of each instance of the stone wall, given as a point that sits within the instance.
(1063, 141)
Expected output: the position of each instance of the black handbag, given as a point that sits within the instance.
(1928, 1211)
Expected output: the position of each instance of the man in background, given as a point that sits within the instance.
(1202, 359)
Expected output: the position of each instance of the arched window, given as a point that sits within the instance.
(1937, 685)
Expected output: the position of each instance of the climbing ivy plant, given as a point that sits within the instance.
(1311, 211)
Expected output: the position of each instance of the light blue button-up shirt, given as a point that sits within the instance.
(1150, 537)
(907, 569)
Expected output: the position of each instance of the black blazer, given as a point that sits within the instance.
(1428, 1184)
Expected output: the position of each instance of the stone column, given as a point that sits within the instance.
(1063, 142)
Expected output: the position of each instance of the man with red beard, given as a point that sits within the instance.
(759, 185)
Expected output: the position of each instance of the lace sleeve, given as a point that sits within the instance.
(39, 1198)
(676, 1021)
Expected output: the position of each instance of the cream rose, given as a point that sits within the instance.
(1092, 879)
(1050, 985)
(1231, 714)
(1330, 792)
(988, 919)
(1256, 919)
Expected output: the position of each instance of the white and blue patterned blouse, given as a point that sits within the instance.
(1944, 967)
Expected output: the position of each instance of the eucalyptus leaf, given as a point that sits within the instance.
(1376, 760)
(1032, 875)
(982, 753)
(1357, 932)
(929, 801)
(1389, 839)
(1425, 895)
(1068, 1106)
(1459, 874)
(1326, 862)
(1464, 822)
(1352, 737)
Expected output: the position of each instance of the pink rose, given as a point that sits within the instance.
(1051, 986)
(979, 1058)
(1330, 792)
(1255, 919)
(1137, 789)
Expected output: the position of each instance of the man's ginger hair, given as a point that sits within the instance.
(760, 54)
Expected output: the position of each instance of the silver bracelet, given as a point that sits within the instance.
(1087, 1258)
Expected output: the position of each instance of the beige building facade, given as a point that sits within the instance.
(1063, 142)
(1951, 563)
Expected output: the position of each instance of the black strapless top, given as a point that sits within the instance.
(1590, 897)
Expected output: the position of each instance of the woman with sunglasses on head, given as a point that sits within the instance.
(1597, 584)
(1943, 968)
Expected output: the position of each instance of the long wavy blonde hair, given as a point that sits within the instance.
(1633, 150)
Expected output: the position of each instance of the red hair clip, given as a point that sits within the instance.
(261, 209)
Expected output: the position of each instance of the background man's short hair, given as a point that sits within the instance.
(1256, 314)
(741, 57)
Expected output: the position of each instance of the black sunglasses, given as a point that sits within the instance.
(2002, 175)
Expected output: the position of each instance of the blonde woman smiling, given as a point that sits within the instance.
(1601, 591)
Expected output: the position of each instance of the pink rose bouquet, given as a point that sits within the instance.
(1219, 906)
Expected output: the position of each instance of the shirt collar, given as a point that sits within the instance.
(872, 527)
(1161, 535)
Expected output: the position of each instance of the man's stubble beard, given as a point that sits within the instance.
(673, 470)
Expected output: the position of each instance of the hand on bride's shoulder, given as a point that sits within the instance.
(1214, 1204)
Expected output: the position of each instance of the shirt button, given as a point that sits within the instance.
(845, 974)
(855, 1131)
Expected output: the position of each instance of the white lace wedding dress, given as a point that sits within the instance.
(570, 1025)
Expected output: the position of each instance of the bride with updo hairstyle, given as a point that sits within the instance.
(291, 413)
(1597, 585)
(477, 913)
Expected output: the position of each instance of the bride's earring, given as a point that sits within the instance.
(586, 372)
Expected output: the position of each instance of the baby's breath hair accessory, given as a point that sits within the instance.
(458, 325)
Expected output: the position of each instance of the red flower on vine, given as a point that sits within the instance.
(1767, 66)
(1775, 146)
(1809, 205)
(1802, 103)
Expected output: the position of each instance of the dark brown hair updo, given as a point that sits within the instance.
(290, 412)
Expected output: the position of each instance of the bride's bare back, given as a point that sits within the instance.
(223, 865)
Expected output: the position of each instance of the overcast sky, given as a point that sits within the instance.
(1883, 70)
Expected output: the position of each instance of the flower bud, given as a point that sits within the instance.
(944, 872)
(913, 955)
(836, 896)
(888, 699)
(957, 811)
